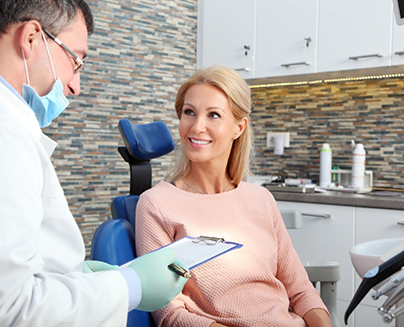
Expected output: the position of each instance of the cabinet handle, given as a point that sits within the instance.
(400, 222)
(366, 56)
(242, 69)
(296, 64)
(400, 53)
(324, 215)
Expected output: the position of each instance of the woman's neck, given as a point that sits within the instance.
(206, 181)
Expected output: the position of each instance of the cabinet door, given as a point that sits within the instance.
(398, 44)
(326, 239)
(286, 37)
(354, 28)
(374, 224)
(225, 27)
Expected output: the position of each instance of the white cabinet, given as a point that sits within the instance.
(329, 239)
(326, 239)
(286, 39)
(398, 45)
(372, 224)
(225, 28)
(353, 29)
(275, 33)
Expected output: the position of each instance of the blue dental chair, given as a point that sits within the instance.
(114, 240)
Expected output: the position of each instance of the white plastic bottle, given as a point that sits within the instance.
(358, 165)
(325, 165)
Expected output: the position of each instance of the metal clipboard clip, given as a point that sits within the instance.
(208, 240)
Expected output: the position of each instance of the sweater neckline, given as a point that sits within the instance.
(233, 191)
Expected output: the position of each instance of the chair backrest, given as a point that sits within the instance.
(114, 240)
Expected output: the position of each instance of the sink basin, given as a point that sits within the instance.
(366, 256)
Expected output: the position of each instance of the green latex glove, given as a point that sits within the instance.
(91, 266)
(159, 284)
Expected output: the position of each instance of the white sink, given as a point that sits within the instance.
(366, 256)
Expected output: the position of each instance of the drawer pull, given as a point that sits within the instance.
(366, 56)
(400, 222)
(242, 69)
(296, 64)
(324, 215)
(400, 53)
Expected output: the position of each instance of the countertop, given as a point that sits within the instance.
(344, 199)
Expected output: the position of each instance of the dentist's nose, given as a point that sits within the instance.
(74, 85)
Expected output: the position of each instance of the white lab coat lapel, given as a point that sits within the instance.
(27, 117)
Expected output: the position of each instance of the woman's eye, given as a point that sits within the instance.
(214, 115)
(188, 112)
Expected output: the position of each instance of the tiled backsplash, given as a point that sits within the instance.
(139, 55)
(370, 112)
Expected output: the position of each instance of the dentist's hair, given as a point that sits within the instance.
(53, 15)
(239, 96)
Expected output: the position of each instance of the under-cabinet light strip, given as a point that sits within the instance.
(334, 80)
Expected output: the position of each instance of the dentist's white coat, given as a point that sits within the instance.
(41, 248)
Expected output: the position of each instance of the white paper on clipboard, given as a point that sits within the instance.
(195, 251)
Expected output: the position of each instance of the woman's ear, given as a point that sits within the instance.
(30, 37)
(240, 127)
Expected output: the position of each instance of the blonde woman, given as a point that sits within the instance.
(261, 284)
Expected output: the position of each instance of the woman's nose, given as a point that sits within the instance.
(199, 125)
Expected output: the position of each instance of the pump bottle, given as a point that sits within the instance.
(358, 165)
(325, 165)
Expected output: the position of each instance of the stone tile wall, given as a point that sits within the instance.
(140, 54)
(370, 112)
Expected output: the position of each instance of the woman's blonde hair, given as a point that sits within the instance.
(239, 97)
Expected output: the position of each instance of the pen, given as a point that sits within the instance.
(179, 270)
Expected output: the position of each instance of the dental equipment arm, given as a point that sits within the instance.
(374, 277)
(393, 282)
(388, 304)
(392, 299)
(388, 317)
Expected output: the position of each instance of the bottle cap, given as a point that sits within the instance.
(326, 147)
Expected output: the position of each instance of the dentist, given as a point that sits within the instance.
(43, 47)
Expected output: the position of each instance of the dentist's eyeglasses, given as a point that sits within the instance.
(79, 62)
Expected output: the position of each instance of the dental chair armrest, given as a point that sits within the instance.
(114, 242)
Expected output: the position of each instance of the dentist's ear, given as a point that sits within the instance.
(30, 36)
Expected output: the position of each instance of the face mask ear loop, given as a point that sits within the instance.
(25, 65)
(50, 59)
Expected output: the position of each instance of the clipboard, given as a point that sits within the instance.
(194, 251)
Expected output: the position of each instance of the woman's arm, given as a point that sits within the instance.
(317, 318)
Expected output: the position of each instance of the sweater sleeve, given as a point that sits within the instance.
(152, 233)
(303, 296)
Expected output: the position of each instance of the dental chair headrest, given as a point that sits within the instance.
(146, 141)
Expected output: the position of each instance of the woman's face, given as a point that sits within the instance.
(207, 127)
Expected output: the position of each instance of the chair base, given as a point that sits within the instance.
(328, 274)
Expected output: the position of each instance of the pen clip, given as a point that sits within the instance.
(208, 240)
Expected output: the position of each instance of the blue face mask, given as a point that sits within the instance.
(47, 107)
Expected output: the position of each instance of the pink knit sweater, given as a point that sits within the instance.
(251, 286)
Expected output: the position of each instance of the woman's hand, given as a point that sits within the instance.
(317, 318)
(216, 324)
